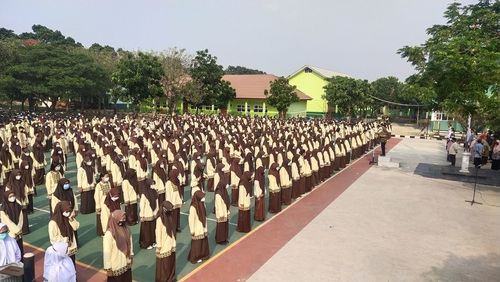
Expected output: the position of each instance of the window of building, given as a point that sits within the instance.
(240, 108)
(258, 109)
(209, 108)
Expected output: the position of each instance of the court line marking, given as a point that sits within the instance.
(205, 263)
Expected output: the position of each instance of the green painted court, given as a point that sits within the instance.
(90, 245)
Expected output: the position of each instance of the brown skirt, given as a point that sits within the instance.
(199, 250)
(177, 218)
(286, 196)
(302, 185)
(295, 188)
(165, 269)
(336, 163)
(309, 184)
(87, 202)
(342, 162)
(39, 177)
(26, 225)
(125, 277)
(147, 234)
(274, 202)
(234, 197)
(265, 162)
(244, 224)
(210, 185)
(260, 209)
(222, 232)
(131, 211)
(348, 157)
(29, 209)
(161, 198)
(98, 225)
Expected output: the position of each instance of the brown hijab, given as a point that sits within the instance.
(221, 190)
(260, 177)
(13, 210)
(131, 176)
(17, 186)
(166, 215)
(246, 181)
(112, 205)
(121, 233)
(89, 169)
(64, 195)
(62, 221)
(150, 193)
(199, 206)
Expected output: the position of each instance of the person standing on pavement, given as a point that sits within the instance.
(478, 152)
(452, 151)
(384, 136)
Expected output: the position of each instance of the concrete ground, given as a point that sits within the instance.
(398, 225)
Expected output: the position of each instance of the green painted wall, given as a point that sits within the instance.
(298, 108)
(312, 85)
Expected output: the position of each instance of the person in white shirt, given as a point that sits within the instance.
(57, 265)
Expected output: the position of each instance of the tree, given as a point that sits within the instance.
(175, 63)
(7, 33)
(48, 36)
(281, 95)
(348, 94)
(241, 70)
(460, 60)
(139, 74)
(205, 71)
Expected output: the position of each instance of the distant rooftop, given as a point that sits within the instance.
(252, 86)
(320, 71)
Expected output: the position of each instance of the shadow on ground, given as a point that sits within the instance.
(484, 176)
(472, 268)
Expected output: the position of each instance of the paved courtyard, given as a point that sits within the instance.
(398, 225)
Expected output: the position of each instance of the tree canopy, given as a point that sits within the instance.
(460, 59)
(348, 94)
(281, 95)
(241, 70)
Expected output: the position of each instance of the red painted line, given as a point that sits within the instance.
(248, 255)
(83, 272)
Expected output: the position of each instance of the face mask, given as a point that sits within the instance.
(26, 167)
(12, 199)
(17, 143)
(66, 214)
(60, 152)
(153, 187)
(58, 168)
(162, 166)
(143, 155)
(105, 179)
(18, 177)
(58, 146)
(157, 146)
(121, 223)
(93, 155)
(202, 200)
(3, 236)
(278, 168)
(124, 160)
(114, 199)
(26, 154)
(89, 163)
(66, 186)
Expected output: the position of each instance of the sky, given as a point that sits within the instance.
(355, 37)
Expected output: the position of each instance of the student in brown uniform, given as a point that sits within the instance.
(27, 175)
(165, 244)
(101, 190)
(173, 195)
(63, 226)
(160, 177)
(221, 207)
(118, 252)
(245, 189)
(86, 186)
(11, 214)
(130, 186)
(111, 203)
(17, 184)
(274, 189)
(235, 180)
(285, 173)
(211, 167)
(148, 208)
(198, 227)
(260, 193)
(51, 180)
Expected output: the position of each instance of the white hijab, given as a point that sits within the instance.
(57, 265)
(9, 250)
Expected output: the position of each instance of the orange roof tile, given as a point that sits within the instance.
(252, 86)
